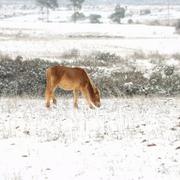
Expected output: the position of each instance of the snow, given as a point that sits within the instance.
(51, 40)
(23, 33)
(135, 138)
(127, 138)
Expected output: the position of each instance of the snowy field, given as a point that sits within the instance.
(51, 40)
(23, 33)
(129, 139)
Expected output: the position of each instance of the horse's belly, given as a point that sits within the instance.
(68, 85)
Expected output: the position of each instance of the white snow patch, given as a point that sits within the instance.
(125, 139)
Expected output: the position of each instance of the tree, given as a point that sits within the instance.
(119, 13)
(47, 4)
(77, 6)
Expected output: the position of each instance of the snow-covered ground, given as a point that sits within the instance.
(50, 40)
(23, 33)
(130, 139)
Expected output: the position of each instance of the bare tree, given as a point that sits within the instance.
(47, 4)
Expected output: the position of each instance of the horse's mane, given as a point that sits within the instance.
(91, 90)
(90, 87)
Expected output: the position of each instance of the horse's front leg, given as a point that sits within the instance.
(76, 95)
(86, 95)
(54, 98)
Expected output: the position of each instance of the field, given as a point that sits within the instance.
(136, 138)
(25, 34)
(44, 41)
(134, 135)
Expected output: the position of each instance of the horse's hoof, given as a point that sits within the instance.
(75, 106)
(91, 107)
(48, 105)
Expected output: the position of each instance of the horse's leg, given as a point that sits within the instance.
(48, 93)
(48, 97)
(76, 94)
(54, 86)
(86, 95)
(50, 87)
(53, 97)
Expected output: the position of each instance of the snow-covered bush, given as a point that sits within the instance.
(164, 81)
(129, 88)
(77, 16)
(21, 77)
(155, 78)
(73, 53)
(138, 55)
(130, 21)
(176, 56)
(95, 18)
(178, 26)
(145, 11)
(106, 56)
(168, 70)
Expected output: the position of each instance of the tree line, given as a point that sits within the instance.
(46, 5)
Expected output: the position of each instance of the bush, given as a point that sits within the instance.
(19, 77)
(95, 18)
(168, 70)
(77, 16)
(155, 23)
(138, 55)
(178, 26)
(73, 53)
(176, 56)
(145, 11)
(130, 21)
(155, 79)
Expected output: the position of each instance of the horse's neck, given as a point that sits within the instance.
(91, 90)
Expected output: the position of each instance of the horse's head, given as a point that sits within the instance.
(96, 98)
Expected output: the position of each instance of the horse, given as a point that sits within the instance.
(71, 79)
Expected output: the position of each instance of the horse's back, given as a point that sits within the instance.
(68, 77)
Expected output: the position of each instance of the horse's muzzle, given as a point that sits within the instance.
(98, 105)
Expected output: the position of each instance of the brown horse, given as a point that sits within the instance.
(73, 79)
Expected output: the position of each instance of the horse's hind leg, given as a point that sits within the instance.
(76, 94)
(48, 88)
(48, 97)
